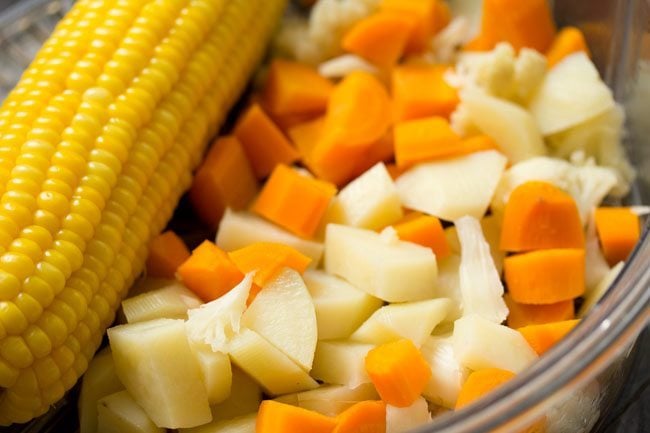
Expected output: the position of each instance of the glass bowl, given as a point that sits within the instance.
(575, 383)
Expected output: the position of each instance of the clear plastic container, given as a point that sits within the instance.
(574, 384)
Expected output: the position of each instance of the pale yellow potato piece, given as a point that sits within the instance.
(244, 399)
(331, 400)
(217, 372)
(341, 363)
(119, 413)
(403, 419)
(447, 375)
(171, 301)
(242, 424)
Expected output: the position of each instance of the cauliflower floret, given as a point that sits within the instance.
(530, 69)
(497, 74)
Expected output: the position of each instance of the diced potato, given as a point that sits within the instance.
(283, 313)
(403, 419)
(268, 365)
(331, 400)
(594, 295)
(452, 188)
(571, 93)
(217, 373)
(412, 320)
(370, 201)
(242, 424)
(155, 363)
(389, 269)
(119, 413)
(340, 307)
(341, 363)
(479, 343)
(447, 375)
(512, 127)
(171, 302)
(99, 381)
(244, 399)
(241, 229)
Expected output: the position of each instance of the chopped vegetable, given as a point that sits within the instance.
(618, 230)
(365, 416)
(403, 419)
(167, 252)
(331, 400)
(542, 337)
(568, 41)
(398, 371)
(430, 17)
(423, 230)
(341, 363)
(523, 314)
(424, 140)
(171, 301)
(267, 259)
(480, 383)
(447, 374)
(274, 417)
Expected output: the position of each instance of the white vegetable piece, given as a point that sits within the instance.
(511, 126)
(217, 321)
(402, 419)
(99, 381)
(119, 413)
(382, 266)
(171, 302)
(479, 343)
(596, 266)
(594, 295)
(155, 363)
(283, 313)
(448, 285)
(330, 400)
(447, 375)
(267, 364)
(452, 188)
(480, 284)
(412, 320)
(217, 372)
(241, 424)
(341, 363)
(340, 66)
(244, 399)
(370, 201)
(241, 229)
(471, 10)
(340, 307)
(572, 93)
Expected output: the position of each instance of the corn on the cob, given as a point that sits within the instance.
(97, 143)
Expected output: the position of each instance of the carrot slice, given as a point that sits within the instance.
(275, 417)
(224, 180)
(167, 252)
(568, 41)
(294, 201)
(423, 140)
(365, 417)
(546, 276)
(540, 215)
(421, 91)
(523, 314)
(619, 230)
(542, 337)
(380, 38)
(398, 371)
(294, 88)
(267, 259)
(265, 145)
(209, 272)
(430, 17)
(521, 23)
(425, 230)
(479, 383)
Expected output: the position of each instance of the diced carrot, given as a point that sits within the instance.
(166, 253)
(224, 180)
(266, 259)
(430, 17)
(358, 114)
(521, 23)
(294, 88)
(421, 91)
(362, 417)
(525, 314)
(380, 38)
(543, 337)
(425, 230)
(381, 150)
(479, 383)
(294, 201)
(569, 40)
(545, 276)
(305, 136)
(398, 371)
(276, 417)
(539, 215)
(285, 123)
(209, 272)
(265, 145)
(619, 230)
(423, 140)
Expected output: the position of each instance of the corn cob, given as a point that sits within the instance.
(97, 143)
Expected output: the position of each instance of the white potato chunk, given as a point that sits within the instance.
(244, 399)
(241, 424)
(331, 400)
(382, 266)
(340, 307)
(452, 188)
(217, 372)
(169, 388)
(341, 363)
(479, 343)
(171, 301)
(403, 419)
(119, 413)
(447, 375)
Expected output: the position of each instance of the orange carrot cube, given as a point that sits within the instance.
(421, 91)
(425, 230)
(423, 140)
(276, 417)
(430, 17)
(166, 253)
(525, 314)
(542, 337)
(267, 259)
(568, 41)
(364, 416)
(481, 382)
(619, 230)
